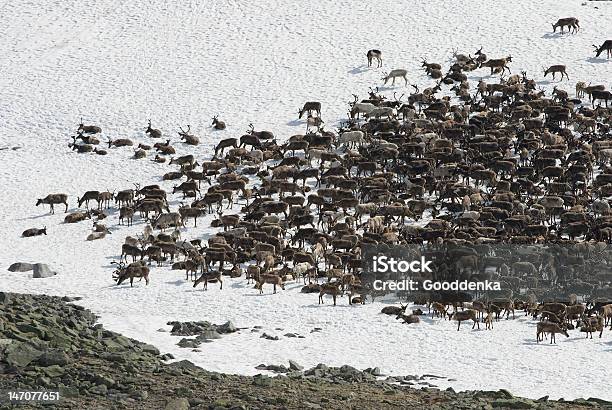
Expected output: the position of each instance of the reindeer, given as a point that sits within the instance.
(570, 22)
(309, 107)
(313, 122)
(499, 63)
(89, 196)
(374, 54)
(226, 143)
(395, 74)
(131, 271)
(331, 288)
(34, 232)
(127, 213)
(270, 279)
(553, 69)
(264, 135)
(466, 315)
(429, 67)
(218, 124)
(121, 142)
(54, 199)
(481, 57)
(601, 95)
(189, 138)
(210, 276)
(606, 46)
(549, 327)
(89, 129)
(153, 133)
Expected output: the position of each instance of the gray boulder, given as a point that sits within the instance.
(21, 354)
(41, 270)
(20, 267)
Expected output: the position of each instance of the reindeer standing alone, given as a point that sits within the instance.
(395, 74)
(374, 54)
(606, 46)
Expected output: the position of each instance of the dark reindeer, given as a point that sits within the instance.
(153, 133)
(570, 22)
(54, 199)
(309, 107)
(218, 124)
(606, 46)
(374, 54)
(89, 129)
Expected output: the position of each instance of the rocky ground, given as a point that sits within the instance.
(48, 343)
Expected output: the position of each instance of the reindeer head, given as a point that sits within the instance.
(149, 126)
(44, 230)
(184, 133)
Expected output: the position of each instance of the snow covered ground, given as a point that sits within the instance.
(116, 64)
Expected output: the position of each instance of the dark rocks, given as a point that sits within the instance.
(5, 298)
(177, 404)
(373, 371)
(53, 357)
(269, 337)
(204, 331)
(20, 267)
(295, 366)
(261, 380)
(41, 270)
(513, 404)
(227, 327)
(167, 356)
(21, 354)
(188, 343)
(150, 349)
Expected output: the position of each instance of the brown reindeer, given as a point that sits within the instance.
(499, 64)
(331, 288)
(131, 271)
(466, 315)
(210, 276)
(549, 327)
(553, 69)
(274, 280)
(54, 199)
(89, 129)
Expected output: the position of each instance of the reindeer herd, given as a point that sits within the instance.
(457, 163)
